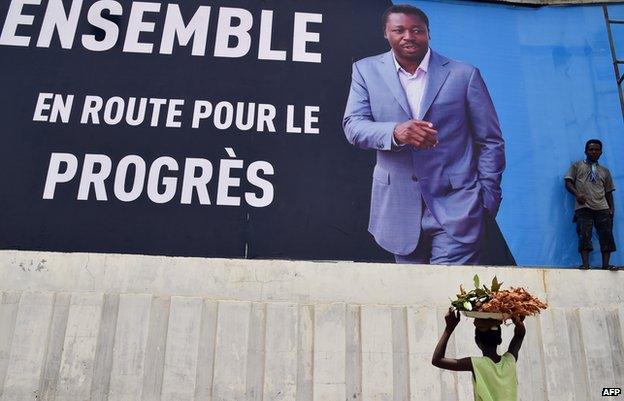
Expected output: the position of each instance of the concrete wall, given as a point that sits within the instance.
(119, 327)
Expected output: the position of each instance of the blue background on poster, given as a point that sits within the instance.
(549, 71)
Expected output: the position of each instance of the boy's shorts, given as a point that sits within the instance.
(586, 218)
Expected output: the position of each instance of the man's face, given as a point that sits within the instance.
(408, 36)
(593, 152)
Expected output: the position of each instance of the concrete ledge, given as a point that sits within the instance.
(293, 281)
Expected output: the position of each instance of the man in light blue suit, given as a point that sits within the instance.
(440, 151)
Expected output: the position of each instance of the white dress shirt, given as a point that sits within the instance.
(413, 85)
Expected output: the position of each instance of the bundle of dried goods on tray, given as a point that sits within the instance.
(495, 303)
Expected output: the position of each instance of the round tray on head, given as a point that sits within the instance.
(485, 315)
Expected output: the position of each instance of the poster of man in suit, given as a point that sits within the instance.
(440, 151)
(209, 130)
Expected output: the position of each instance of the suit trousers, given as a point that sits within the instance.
(436, 247)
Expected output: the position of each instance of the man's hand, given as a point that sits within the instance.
(518, 324)
(612, 211)
(519, 332)
(452, 319)
(417, 133)
(581, 199)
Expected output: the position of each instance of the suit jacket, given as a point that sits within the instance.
(459, 179)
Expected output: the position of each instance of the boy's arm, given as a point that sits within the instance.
(580, 198)
(439, 360)
(516, 341)
(609, 196)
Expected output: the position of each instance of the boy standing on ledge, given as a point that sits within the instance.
(592, 187)
(493, 376)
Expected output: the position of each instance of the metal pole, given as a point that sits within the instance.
(616, 62)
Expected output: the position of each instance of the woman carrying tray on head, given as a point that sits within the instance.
(493, 375)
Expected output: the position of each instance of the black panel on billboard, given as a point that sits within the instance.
(148, 204)
(320, 204)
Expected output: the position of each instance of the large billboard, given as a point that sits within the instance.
(215, 129)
